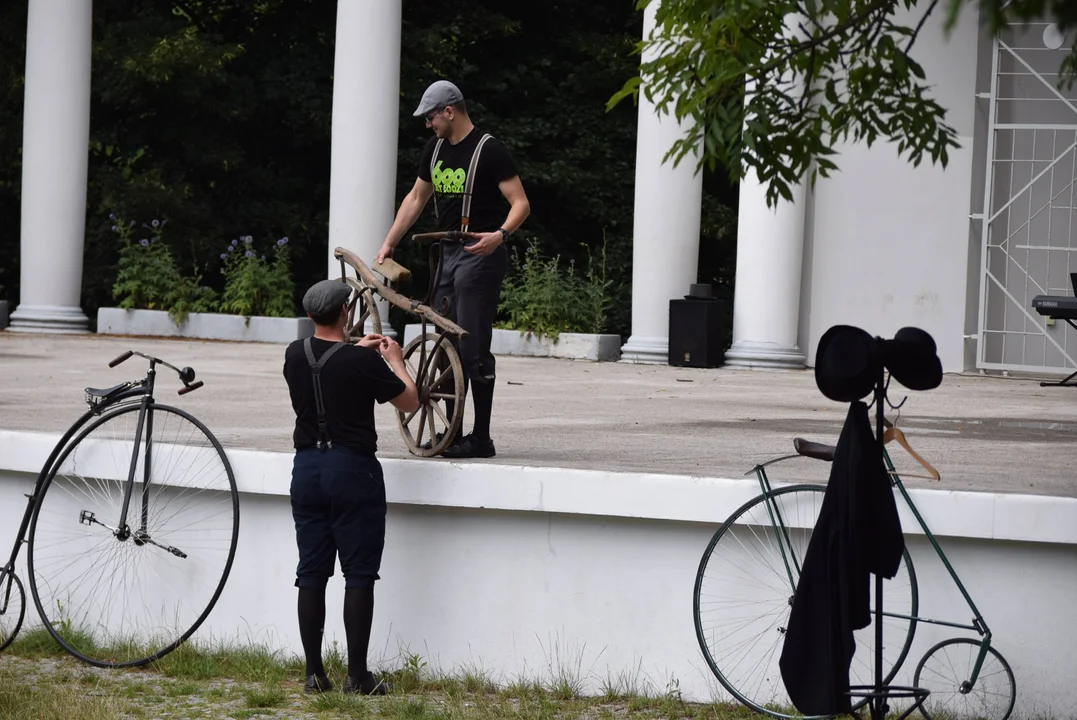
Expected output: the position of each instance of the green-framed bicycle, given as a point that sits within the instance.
(744, 591)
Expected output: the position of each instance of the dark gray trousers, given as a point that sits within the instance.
(471, 285)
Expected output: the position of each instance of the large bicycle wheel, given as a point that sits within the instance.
(361, 308)
(12, 607)
(744, 594)
(440, 384)
(118, 593)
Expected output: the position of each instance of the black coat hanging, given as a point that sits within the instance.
(858, 532)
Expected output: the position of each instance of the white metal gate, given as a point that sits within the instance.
(1029, 244)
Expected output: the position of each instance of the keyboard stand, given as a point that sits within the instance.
(1066, 382)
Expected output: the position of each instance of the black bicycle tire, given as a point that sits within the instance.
(4, 644)
(696, 619)
(968, 641)
(122, 410)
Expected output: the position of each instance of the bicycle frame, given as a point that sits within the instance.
(141, 390)
(96, 409)
(792, 567)
(978, 625)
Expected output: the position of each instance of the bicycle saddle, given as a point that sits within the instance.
(819, 451)
(105, 392)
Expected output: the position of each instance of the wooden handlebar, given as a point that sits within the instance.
(446, 235)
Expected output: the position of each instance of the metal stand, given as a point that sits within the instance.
(879, 693)
(1066, 382)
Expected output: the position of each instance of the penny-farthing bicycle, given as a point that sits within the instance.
(130, 529)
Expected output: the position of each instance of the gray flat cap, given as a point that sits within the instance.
(437, 96)
(325, 296)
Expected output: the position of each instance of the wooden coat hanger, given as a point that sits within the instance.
(893, 433)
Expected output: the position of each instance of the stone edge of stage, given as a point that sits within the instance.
(645, 496)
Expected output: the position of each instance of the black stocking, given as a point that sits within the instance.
(312, 627)
(358, 617)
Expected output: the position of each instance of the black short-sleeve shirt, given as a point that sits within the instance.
(488, 207)
(353, 379)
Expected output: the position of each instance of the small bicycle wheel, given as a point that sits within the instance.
(744, 595)
(440, 382)
(12, 607)
(945, 671)
(361, 307)
(121, 592)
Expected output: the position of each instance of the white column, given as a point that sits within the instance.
(55, 155)
(766, 296)
(366, 101)
(770, 250)
(665, 236)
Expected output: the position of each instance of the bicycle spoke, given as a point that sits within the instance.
(743, 598)
(133, 593)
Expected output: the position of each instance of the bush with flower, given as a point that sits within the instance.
(147, 276)
(255, 285)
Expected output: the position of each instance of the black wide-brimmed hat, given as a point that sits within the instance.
(849, 361)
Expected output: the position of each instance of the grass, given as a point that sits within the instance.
(39, 681)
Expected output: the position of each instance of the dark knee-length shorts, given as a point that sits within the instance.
(338, 504)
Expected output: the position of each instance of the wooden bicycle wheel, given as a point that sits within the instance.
(439, 380)
(361, 307)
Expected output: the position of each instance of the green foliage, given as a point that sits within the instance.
(217, 114)
(255, 285)
(536, 75)
(541, 298)
(774, 86)
(147, 276)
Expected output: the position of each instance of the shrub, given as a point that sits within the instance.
(538, 297)
(147, 276)
(255, 285)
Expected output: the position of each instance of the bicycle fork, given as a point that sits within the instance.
(781, 533)
(122, 530)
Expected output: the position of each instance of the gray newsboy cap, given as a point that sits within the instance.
(437, 96)
(325, 297)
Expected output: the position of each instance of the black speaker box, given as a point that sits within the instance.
(696, 332)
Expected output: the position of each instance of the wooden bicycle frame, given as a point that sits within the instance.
(422, 310)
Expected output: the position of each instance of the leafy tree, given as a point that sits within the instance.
(774, 85)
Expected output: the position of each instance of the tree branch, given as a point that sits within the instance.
(839, 29)
(920, 25)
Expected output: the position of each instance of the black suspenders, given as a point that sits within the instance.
(469, 182)
(324, 440)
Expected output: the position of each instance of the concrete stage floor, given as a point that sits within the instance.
(981, 433)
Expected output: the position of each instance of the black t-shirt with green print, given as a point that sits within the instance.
(488, 207)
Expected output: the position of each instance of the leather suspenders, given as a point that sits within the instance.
(324, 440)
(469, 182)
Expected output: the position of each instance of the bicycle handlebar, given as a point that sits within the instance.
(186, 374)
(120, 359)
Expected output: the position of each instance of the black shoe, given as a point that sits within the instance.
(369, 685)
(429, 445)
(469, 447)
(317, 684)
